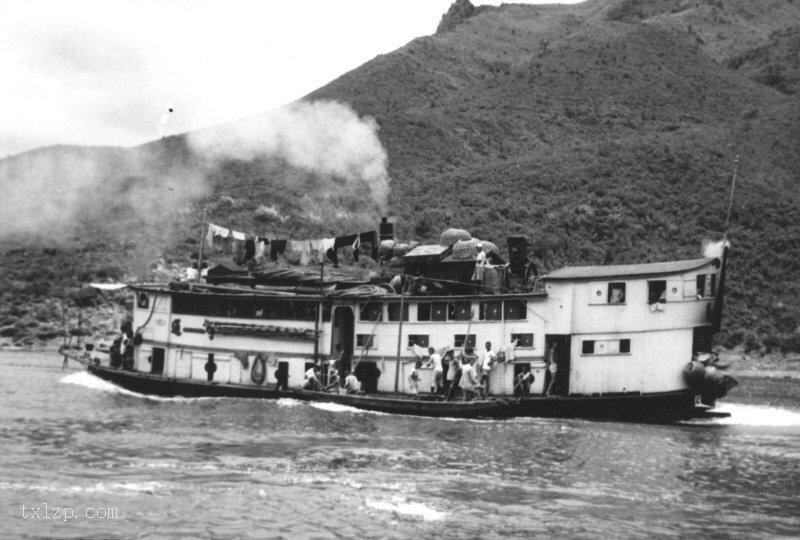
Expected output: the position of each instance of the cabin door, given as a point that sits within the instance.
(158, 361)
(343, 330)
(562, 354)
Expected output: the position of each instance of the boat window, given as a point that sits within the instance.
(371, 311)
(491, 311)
(143, 300)
(523, 340)
(326, 312)
(515, 310)
(459, 340)
(616, 293)
(439, 311)
(657, 292)
(421, 340)
(459, 311)
(365, 341)
(605, 346)
(706, 285)
(423, 312)
(394, 312)
(262, 308)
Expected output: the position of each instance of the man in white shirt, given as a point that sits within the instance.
(480, 264)
(351, 384)
(489, 359)
(435, 360)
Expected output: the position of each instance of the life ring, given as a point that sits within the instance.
(258, 373)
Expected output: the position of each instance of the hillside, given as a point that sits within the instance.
(605, 131)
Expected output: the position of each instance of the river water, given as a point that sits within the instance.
(83, 459)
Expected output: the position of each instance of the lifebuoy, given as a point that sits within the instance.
(259, 370)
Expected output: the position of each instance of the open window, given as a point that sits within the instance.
(706, 285)
(657, 292)
(371, 312)
(616, 292)
(459, 340)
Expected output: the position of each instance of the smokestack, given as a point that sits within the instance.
(386, 230)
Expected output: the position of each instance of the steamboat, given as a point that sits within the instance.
(626, 342)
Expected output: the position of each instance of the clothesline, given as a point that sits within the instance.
(244, 247)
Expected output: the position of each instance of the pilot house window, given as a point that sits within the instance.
(706, 285)
(616, 293)
(657, 292)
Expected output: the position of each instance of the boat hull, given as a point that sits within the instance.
(652, 408)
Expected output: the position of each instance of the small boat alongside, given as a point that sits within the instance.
(622, 342)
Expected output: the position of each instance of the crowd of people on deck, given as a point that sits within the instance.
(465, 376)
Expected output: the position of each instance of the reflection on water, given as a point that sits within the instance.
(232, 468)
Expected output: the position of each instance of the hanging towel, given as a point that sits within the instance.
(249, 249)
(276, 247)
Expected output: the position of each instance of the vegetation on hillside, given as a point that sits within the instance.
(606, 132)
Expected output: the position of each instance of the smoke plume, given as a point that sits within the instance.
(714, 249)
(55, 192)
(325, 138)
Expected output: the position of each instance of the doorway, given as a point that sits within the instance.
(343, 328)
(157, 366)
(563, 356)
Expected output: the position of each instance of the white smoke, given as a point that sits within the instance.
(323, 137)
(714, 249)
(50, 192)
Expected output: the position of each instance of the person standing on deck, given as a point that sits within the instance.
(435, 360)
(489, 359)
(552, 368)
(480, 264)
(453, 376)
(469, 380)
(413, 379)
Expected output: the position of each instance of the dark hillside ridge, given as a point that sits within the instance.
(606, 132)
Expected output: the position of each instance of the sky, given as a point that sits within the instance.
(124, 72)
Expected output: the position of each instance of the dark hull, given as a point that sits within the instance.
(158, 385)
(654, 408)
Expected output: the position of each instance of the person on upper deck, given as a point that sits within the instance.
(192, 273)
(480, 264)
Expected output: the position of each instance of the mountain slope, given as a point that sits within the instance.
(605, 131)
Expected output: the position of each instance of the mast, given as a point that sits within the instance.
(716, 313)
(202, 238)
(316, 318)
(399, 341)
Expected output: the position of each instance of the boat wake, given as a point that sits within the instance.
(87, 380)
(399, 505)
(338, 408)
(757, 415)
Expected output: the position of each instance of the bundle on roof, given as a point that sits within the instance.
(451, 236)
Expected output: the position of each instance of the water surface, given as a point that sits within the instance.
(129, 466)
